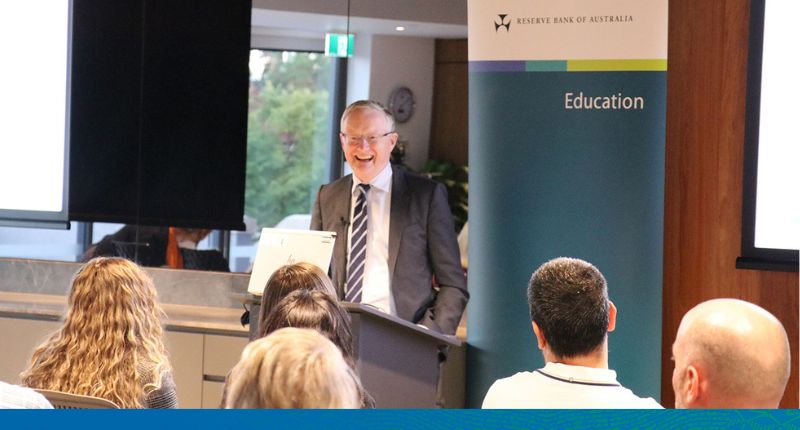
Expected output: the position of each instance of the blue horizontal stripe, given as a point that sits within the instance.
(400, 419)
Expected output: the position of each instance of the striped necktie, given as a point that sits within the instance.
(358, 247)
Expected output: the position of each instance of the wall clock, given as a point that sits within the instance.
(401, 103)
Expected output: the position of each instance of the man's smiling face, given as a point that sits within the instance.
(366, 158)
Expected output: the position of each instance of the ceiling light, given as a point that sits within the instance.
(400, 28)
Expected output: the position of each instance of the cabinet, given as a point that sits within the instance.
(200, 361)
(20, 338)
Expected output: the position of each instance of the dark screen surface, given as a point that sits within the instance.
(159, 112)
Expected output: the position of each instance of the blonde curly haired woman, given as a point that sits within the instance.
(111, 344)
(293, 368)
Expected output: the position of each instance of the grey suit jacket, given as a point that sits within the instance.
(422, 243)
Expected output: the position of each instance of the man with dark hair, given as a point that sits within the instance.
(571, 317)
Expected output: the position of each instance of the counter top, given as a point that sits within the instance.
(186, 318)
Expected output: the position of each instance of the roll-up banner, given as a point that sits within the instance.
(567, 103)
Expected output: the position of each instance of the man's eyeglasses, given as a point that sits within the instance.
(354, 140)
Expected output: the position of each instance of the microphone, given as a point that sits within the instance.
(345, 222)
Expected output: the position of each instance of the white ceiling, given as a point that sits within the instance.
(271, 22)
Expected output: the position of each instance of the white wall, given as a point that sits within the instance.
(359, 68)
(438, 11)
(406, 61)
(269, 41)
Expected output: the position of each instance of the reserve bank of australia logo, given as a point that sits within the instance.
(503, 23)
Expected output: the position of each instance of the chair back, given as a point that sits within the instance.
(140, 253)
(61, 400)
(205, 259)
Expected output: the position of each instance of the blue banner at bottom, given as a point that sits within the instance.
(401, 419)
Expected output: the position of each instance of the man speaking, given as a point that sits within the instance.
(394, 230)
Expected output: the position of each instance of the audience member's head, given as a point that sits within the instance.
(730, 354)
(111, 334)
(293, 368)
(314, 310)
(290, 278)
(570, 311)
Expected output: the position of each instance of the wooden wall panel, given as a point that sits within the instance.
(703, 196)
(449, 130)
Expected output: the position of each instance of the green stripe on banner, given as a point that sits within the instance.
(659, 65)
(546, 66)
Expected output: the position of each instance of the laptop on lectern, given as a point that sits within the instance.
(279, 247)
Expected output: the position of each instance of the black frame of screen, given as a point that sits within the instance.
(751, 256)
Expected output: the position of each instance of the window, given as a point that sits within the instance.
(41, 243)
(289, 142)
(290, 147)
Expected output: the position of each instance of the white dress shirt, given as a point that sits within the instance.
(561, 386)
(377, 289)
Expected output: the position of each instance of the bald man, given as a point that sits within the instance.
(730, 354)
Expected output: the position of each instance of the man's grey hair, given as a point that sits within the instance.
(368, 104)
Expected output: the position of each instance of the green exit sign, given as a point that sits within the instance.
(339, 45)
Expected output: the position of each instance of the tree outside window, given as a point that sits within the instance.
(288, 143)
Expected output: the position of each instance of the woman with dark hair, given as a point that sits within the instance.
(322, 312)
(290, 278)
(319, 311)
(316, 310)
